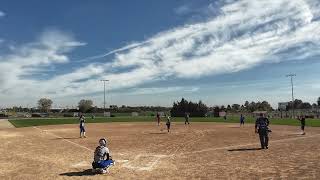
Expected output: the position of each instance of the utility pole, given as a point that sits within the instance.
(291, 76)
(104, 95)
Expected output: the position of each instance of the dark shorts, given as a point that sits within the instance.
(302, 127)
(241, 122)
(168, 125)
(82, 129)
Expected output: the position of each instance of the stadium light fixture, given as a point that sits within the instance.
(104, 95)
(291, 77)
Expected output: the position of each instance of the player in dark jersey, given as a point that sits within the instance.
(242, 120)
(262, 128)
(168, 123)
(302, 120)
(158, 118)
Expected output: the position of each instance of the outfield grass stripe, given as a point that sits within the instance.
(234, 119)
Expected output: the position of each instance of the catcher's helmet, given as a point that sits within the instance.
(103, 142)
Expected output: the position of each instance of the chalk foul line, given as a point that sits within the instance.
(54, 135)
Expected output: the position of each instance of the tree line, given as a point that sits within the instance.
(194, 109)
(299, 104)
(87, 106)
(178, 109)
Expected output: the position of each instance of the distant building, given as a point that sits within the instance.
(222, 113)
(106, 114)
(257, 113)
(282, 106)
(113, 107)
(134, 114)
(162, 114)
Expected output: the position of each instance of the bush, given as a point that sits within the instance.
(35, 115)
(310, 116)
(112, 115)
(67, 115)
(39, 115)
(3, 115)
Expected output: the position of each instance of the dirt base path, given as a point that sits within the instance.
(5, 124)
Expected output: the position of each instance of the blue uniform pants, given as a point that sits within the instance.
(264, 139)
(102, 164)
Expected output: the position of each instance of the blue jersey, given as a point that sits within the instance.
(262, 123)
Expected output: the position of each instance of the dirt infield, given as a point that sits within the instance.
(143, 151)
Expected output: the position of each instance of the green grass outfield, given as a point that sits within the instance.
(52, 121)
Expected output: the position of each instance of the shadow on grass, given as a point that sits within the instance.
(245, 149)
(87, 172)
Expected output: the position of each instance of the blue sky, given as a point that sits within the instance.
(155, 52)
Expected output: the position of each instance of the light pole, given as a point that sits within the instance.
(104, 95)
(291, 76)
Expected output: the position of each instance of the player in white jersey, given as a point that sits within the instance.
(102, 159)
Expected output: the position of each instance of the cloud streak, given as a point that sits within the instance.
(244, 35)
(2, 14)
(163, 90)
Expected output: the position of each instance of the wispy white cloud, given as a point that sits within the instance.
(184, 9)
(245, 34)
(163, 90)
(193, 12)
(2, 14)
(125, 48)
(50, 48)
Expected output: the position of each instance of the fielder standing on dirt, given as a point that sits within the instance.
(302, 120)
(261, 127)
(82, 129)
(168, 123)
(186, 117)
(158, 118)
(242, 120)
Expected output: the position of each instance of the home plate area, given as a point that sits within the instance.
(144, 162)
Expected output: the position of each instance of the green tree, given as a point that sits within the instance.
(242, 108)
(85, 105)
(229, 108)
(44, 104)
(252, 106)
(246, 105)
(235, 107)
(195, 109)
